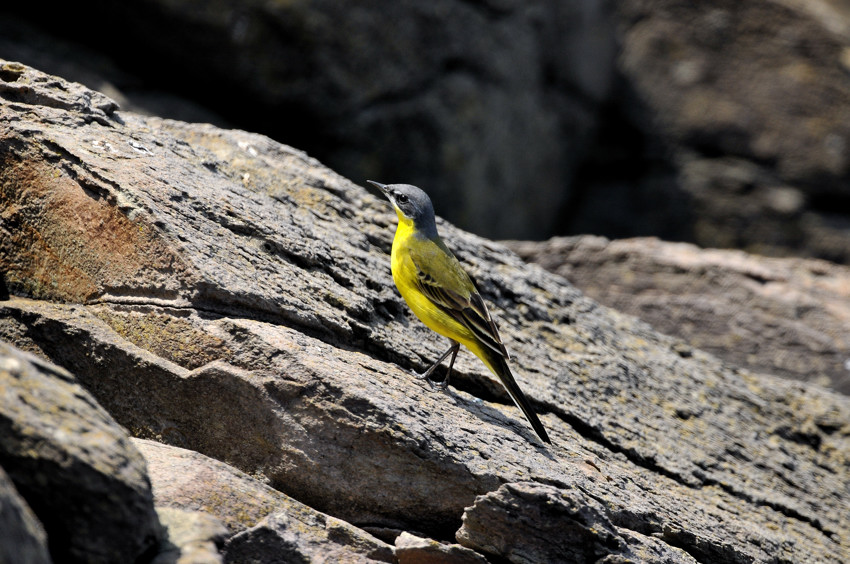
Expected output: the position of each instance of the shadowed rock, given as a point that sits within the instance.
(22, 537)
(73, 464)
(416, 99)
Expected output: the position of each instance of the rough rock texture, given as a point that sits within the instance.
(223, 293)
(22, 537)
(73, 464)
(781, 316)
(410, 549)
(187, 480)
(307, 536)
(529, 522)
(722, 123)
(193, 537)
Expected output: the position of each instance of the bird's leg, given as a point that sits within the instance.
(445, 383)
(425, 375)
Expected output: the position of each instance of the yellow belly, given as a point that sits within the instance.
(405, 276)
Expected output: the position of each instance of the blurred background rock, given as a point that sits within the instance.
(724, 124)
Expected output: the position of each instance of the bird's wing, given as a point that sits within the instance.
(444, 281)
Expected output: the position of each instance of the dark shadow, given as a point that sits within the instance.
(624, 185)
(4, 290)
(477, 388)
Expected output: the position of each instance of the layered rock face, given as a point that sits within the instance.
(226, 301)
(71, 464)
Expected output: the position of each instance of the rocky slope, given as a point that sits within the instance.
(218, 292)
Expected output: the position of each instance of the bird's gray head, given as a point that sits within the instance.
(411, 204)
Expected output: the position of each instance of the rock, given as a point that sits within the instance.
(789, 317)
(18, 86)
(223, 293)
(752, 101)
(190, 483)
(339, 82)
(410, 549)
(193, 537)
(188, 480)
(719, 124)
(305, 537)
(73, 464)
(529, 522)
(22, 538)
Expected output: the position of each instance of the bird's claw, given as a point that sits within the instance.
(441, 385)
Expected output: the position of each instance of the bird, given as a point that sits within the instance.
(442, 295)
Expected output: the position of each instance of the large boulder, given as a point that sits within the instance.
(753, 100)
(220, 292)
(74, 466)
(442, 94)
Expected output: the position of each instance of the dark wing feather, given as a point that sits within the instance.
(470, 311)
(481, 313)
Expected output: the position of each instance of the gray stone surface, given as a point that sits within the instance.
(306, 536)
(187, 484)
(410, 549)
(73, 464)
(230, 295)
(192, 537)
(789, 317)
(528, 522)
(189, 481)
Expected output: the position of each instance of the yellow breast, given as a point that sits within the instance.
(406, 275)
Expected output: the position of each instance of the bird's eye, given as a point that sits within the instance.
(401, 198)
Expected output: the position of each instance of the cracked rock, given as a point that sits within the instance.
(73, 464)
(527, 522)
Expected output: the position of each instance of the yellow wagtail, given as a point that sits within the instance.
(441, 294)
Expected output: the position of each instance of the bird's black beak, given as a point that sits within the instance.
(379, 186)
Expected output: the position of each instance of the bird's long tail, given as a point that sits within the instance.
(499, 366)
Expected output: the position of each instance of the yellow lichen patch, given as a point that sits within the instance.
(166, 336)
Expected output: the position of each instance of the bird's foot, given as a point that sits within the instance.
(438, 385)
(423, 376)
